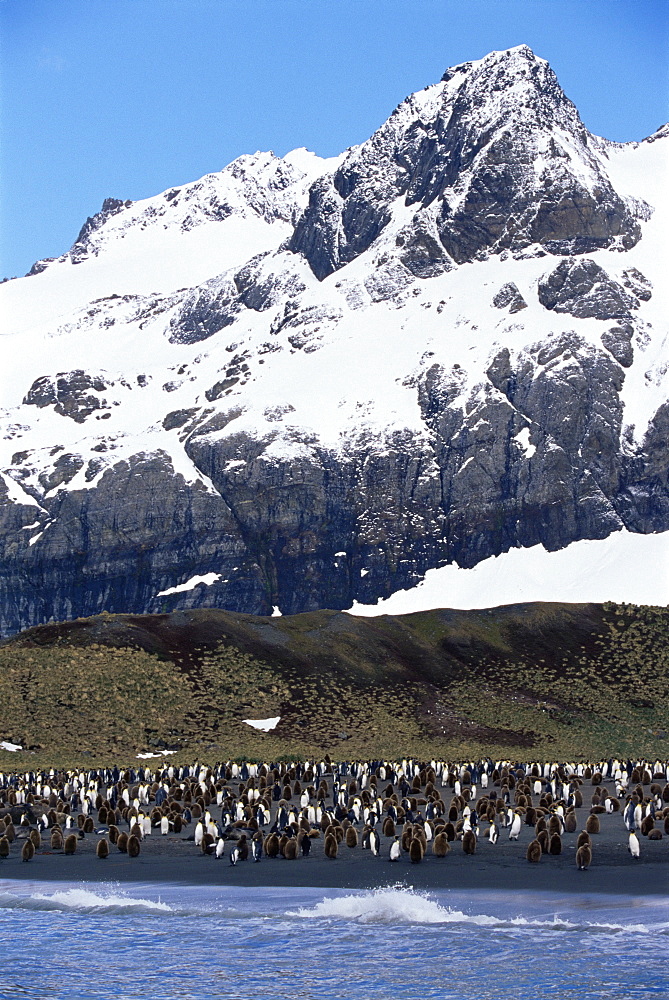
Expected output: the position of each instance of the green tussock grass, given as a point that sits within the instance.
(534, 681)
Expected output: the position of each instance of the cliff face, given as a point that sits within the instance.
(311, 381)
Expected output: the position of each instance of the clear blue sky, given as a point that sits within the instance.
(125, 98)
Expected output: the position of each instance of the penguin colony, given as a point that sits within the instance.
(248, 812)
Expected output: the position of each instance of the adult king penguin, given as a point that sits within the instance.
(633, 845)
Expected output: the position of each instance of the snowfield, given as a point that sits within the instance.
(624, 568)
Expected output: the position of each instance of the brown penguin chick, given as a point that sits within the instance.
(338, 832)
(330, 846)
(113, 833)
(10, 832)
(271, 846)
(102, 815)
(570, 822)
(208, 844)
(583, 838)
(407, 836)
(449, 830)
(583, 857)
(540, 825)
(469, 842)
(351, 837)
(36, 839)
(388, 827)
(133, 847)
(177, 825)
(415, 851)
(56, 840)
(70, 844)
(554, 826)
(592, 824)
(440, 845)
(543, 839)
(419, 834)
(534, 851)
(122, 842)
(28, 850)
(655, 834)
(290, 852)
(102, 849)
(89, 825)
(647, 824)
(530, 816)
(555, 844)
(81, 819)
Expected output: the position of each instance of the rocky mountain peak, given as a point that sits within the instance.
(494, 158)
(300, 383)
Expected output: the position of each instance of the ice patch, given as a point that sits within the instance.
(191, 584)
(12, 747)
(264, 725)
(163, 753)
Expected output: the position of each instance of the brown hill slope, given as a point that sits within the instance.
(532, 680)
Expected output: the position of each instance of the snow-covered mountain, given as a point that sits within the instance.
(308, 382)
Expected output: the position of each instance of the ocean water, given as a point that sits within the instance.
(100, 940)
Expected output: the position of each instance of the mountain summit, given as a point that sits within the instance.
(298, 383)
(493, 158)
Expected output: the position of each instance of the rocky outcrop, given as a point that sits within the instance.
(508, 297)
(465, 155)
(582, 288)
(70, 394)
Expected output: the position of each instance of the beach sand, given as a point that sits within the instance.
(175, 859)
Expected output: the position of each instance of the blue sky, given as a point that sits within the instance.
(124, 98)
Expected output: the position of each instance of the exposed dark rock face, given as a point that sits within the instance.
(508, 297)
(618, 342)
(70, 394)
(206, 310)
(110, 206)
(583, 289)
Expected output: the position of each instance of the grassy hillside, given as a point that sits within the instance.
(532, 681)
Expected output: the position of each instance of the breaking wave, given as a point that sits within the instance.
(396, 906)
(84, 901)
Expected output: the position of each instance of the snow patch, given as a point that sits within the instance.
(163, 753)
(264, 725)
(276, 611)
(593, 570)
(12, 747)
(522, 439)
(194, 581)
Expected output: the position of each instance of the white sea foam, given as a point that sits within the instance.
(397, 905)
(80, 900)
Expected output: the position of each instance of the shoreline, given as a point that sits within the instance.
(501, 867)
